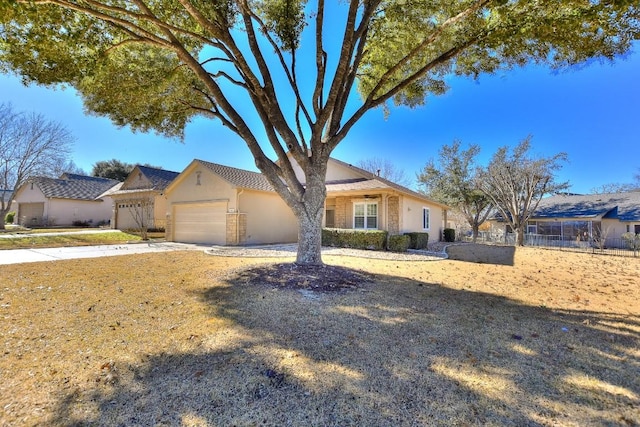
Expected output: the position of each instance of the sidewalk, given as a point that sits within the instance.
(19, 256)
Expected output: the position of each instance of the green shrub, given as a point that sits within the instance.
(418, 240)
(399, 243)
(449, 235)
(354, 239)
(10, 217)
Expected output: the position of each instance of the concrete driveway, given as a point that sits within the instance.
(18, 256)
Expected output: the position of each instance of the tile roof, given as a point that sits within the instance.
(623, 206)
(73, 186)
(159, 178)
(239, 177)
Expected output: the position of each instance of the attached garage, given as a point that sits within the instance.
(200, 223)
(30, 214)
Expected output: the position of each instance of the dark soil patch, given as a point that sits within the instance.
(321, 278)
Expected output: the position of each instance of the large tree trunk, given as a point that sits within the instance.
(309, 240)
(520, 236)
(310, 212)
(474, 232)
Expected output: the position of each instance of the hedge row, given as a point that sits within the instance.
(378, 240)
(354, 239)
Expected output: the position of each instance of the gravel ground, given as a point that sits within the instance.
(435, 252)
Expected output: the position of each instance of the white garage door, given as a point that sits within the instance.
(201, 223)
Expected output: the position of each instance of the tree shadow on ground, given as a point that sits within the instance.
(483, 254)
(395, 352)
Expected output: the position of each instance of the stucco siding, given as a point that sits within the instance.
(208, 187)
(613, 229)
(412, 220)
(335, 172)
(66, 211)
(268, 218)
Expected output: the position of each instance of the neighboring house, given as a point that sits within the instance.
(68, 200)
(140, 200)
(212, 203)
(584, 217)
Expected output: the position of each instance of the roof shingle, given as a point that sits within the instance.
(73, 186)
(239, 177)
(624, 206)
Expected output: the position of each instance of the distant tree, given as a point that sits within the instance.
(285, 75)
(385, 169)
(70, 167)
(112, 169)
(614, 187)
(452, 180)
(30, 145)
(515, 182)
(619, 187)
(115, 169)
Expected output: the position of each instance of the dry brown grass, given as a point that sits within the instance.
(530, 337)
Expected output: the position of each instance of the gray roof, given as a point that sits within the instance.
(239, 177)
(72, 186)
(159, 178)
(623, 206)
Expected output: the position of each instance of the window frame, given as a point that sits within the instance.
(428, 218)
(365, 217)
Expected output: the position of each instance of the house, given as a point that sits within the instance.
(583, 217)
(69, 200)
(212, 203)
(140, 200)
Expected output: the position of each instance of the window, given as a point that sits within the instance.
(330, 218)
(365, 215)
(426, 220)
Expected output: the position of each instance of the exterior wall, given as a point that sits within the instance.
(393, 214)
(122, 219)
(208, 188)
(26, 194)
(66, 211)
(335, 172)
(613, 229)
(197, 185)
(236, 228)
(268, 218)
(412, 218)
(136, 180)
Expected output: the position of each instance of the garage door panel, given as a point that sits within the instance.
(31, 213)
(202, 223)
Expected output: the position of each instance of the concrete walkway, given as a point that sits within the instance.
(24, 234)
(19, 256)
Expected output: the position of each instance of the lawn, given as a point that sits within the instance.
(40, 239)
(494, 336)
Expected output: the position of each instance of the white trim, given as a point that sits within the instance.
(366, 203)
(428, 210)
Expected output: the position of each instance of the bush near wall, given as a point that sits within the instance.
(449, 235)
(354, 239)
(399, 243)
(418, 240)
(10, 217)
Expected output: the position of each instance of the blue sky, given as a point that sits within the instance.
(592, 114)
